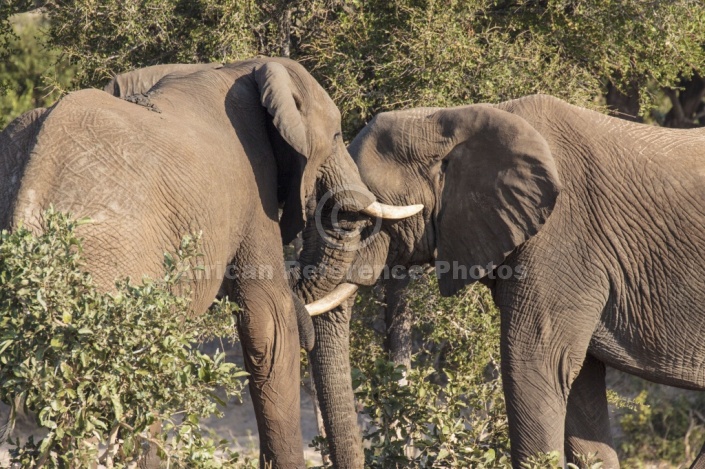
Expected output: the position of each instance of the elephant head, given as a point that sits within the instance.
(313, 161)
(485, 176)
(487, 183)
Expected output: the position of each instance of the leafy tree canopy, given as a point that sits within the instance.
(375, 55)
(31, 74)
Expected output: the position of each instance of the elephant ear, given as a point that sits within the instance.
(500, 186)
(283, 103)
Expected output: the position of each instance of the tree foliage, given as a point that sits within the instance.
(104, 38)
(99, 368)
(377, 55)
(31, 74)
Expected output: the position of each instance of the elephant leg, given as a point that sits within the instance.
(535, 409)
(545, 335)
(587, 425)
(537, 373)
(268, 331)
(330, 360)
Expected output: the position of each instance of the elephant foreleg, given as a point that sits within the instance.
(268, 331)
(587, 424)
(537, 374)
(536, 411)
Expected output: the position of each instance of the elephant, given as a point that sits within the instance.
(15, 144)
(587, 229)
(221, 151)
(141, 80)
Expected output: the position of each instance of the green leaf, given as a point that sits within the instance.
(117, 406)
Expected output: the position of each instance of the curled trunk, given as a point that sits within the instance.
(323, 264)
(331, 238)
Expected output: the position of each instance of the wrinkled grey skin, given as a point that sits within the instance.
(15, 143)
(217, 151)
(141, 80)
(329, 359)
(601, 222)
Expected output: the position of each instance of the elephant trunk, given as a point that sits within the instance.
(330, 366)
(328, 251)
(332, 230)
(331, 237)
(330, 361)
(340, 180)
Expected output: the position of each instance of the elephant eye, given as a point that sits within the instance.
(337, 136)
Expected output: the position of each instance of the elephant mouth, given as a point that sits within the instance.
(342, 209)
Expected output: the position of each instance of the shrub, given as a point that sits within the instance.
(31, 73)
(448, 410)
(99, 368)
(665, 425)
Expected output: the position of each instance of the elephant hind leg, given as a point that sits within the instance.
(587, 425)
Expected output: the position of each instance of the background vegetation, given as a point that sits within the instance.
(373, 55)
(97, 369)
(640, 60)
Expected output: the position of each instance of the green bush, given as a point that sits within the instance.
(665, 425)
(99, 368)
(448, 410)
(31, 74)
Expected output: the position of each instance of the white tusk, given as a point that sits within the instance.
(391, 212)
(333, 299)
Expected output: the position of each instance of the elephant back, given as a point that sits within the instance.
(144, 178)
(141, 80)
